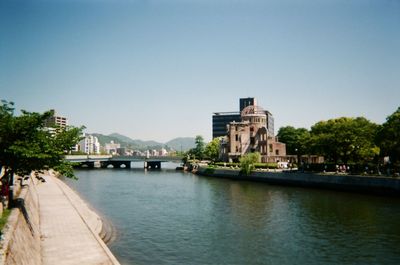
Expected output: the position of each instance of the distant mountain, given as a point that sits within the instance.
(121, 137)
(178, 144)
(103, 139)
(181, 143)
(147, 143)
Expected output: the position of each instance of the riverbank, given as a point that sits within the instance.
(365, 184)
(53, 225)
(99, 223)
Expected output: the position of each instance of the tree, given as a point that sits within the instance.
(26, 146)
(211, 150)
(345, 139)
(297, 140)
(247, 162)
(198, 151)
(388, 137)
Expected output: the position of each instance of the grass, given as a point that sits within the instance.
(4, 218)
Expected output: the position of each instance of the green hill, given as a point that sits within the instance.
(181, 143)
(178, 144)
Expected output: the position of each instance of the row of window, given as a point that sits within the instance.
(263, 149)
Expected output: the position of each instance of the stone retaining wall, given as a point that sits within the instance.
(20, 244)
(368, 184)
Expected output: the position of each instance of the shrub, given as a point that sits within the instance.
(266, 165)
(209, 170)
(248, 161)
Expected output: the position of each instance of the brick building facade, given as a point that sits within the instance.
(252, 135)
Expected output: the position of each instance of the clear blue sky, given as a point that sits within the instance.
(159, 69)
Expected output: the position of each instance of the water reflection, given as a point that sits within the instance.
(169, 217)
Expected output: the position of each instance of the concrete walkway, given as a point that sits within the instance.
(69, 233)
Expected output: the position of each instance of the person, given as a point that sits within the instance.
(4, 190)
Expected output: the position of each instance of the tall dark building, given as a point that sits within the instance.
(244, 102)
(270, 123)
(220, 120)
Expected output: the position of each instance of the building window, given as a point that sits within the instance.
(236, 137)
(252, 140)
(277, 152)
(270, 148)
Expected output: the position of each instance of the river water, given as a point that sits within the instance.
(169, 217)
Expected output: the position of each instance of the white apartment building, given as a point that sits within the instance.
(89, 145)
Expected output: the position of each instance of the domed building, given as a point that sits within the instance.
(251, 135)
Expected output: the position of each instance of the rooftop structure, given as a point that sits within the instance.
(220, 120)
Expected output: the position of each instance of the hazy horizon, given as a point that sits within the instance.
(157, 70)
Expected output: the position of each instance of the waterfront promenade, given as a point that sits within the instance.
(69, 229)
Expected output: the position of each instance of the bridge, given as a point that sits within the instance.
(151, 162)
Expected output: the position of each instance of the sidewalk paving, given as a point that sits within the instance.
(66, 238)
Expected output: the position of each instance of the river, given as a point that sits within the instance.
(170, 217)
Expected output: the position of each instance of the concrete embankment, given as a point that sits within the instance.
(368, 184)
(20, 243)
(53, 225)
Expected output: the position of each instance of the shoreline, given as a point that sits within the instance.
(376, 185)
(108, 232)
(53, 225)
(76, 227)
(89, 218)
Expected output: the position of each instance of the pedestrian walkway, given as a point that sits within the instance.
(66, 237)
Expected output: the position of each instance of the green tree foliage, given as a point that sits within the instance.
(297, 140)
(211, 150)
(26, 146)
(198, 151)
(388, 137)
(248, 161)
(345, 139)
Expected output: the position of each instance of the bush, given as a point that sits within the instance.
(209, 170)
(266, 165)
(221, 164)
(256, 165)
(356, 169)
(248, 161)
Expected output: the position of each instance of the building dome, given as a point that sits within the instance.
(255, 115)
(253, 111)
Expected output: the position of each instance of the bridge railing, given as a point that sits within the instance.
(81, 157)
(144, 158)
(122, 158)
